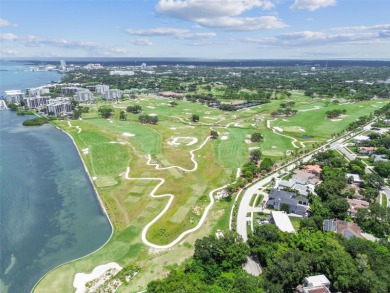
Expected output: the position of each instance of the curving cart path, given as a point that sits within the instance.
(171, 197)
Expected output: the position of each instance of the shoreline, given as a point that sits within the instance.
(101, 207)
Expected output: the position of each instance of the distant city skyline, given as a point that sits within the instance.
(213, 29)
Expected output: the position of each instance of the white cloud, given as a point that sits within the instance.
(173, 32)
(312, 4)
(243, 23)
(8, 52)
(221, 14)
(194, 9)
(142, 42)
(4, 22)
(362, 27)
(313, 38)
(8, 36)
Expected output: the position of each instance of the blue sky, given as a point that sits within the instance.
(231, 29)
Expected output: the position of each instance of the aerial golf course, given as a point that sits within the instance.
(157, 183)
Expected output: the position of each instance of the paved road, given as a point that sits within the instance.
(245, 208)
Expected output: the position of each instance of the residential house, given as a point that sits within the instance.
(282, 221)
(355, 178)
(379, 158)
(355, 205)
(286, 184)
(314, 169)
(366, 150)
(297, 205)
(314, 284)
(305, 177)
(360, 138)
(347, 229)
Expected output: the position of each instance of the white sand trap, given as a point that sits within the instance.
(94, 178)
(274, 147)
(85, 151)
(176, 140)
(212, 118)
(150, 107)
(225, 137)
(285, 120)
(278, 129)
(248, 141)
(247, 135)
(111, 121)
(153, 114)
(301, 129)
(186, 109)
(128, 134)
(118, 142)
(80, 279)
(253, 148)
(374, 106)
(173, 128)
(335, 120)
(237, 125)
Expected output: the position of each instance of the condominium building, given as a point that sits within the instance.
(83, 95)
(14, 96)
(36, 102)
(59, 106)
(69, 90)
(38, 91)
(112, 94)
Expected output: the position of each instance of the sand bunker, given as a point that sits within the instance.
(81, 279)
(153, 114)
(150, 107)
(118, 142)
(225, 137)
(128, 134)
(335, 120)
(176, 140)
(173, 128)
(237, 125)
(278, 129)
(85, 151)
(248, 141)
(253, 148)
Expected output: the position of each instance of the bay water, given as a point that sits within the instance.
(49, 213)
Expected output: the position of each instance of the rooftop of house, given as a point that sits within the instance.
(356, 177)
(357, 203)
(282, 221)
(285, 183)
(315, 168)
(347, 229)
(368, 149)
(361, 138)
(317, 280)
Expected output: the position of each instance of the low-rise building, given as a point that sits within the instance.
(347, 229)
(282, 221)
(279, 198)
(379, 158)
(355, 205)
(366, 150)
(355, 178)
(314, 284)
(59, 106)
(14, 96)
(360, 138)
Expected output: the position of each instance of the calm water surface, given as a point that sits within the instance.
(49, 213)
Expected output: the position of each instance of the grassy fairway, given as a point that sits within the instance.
(109, 147)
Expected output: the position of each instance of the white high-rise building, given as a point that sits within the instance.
(83, 95)
(113, 94)
(59, 106)
(63, 65)
(14, 96)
